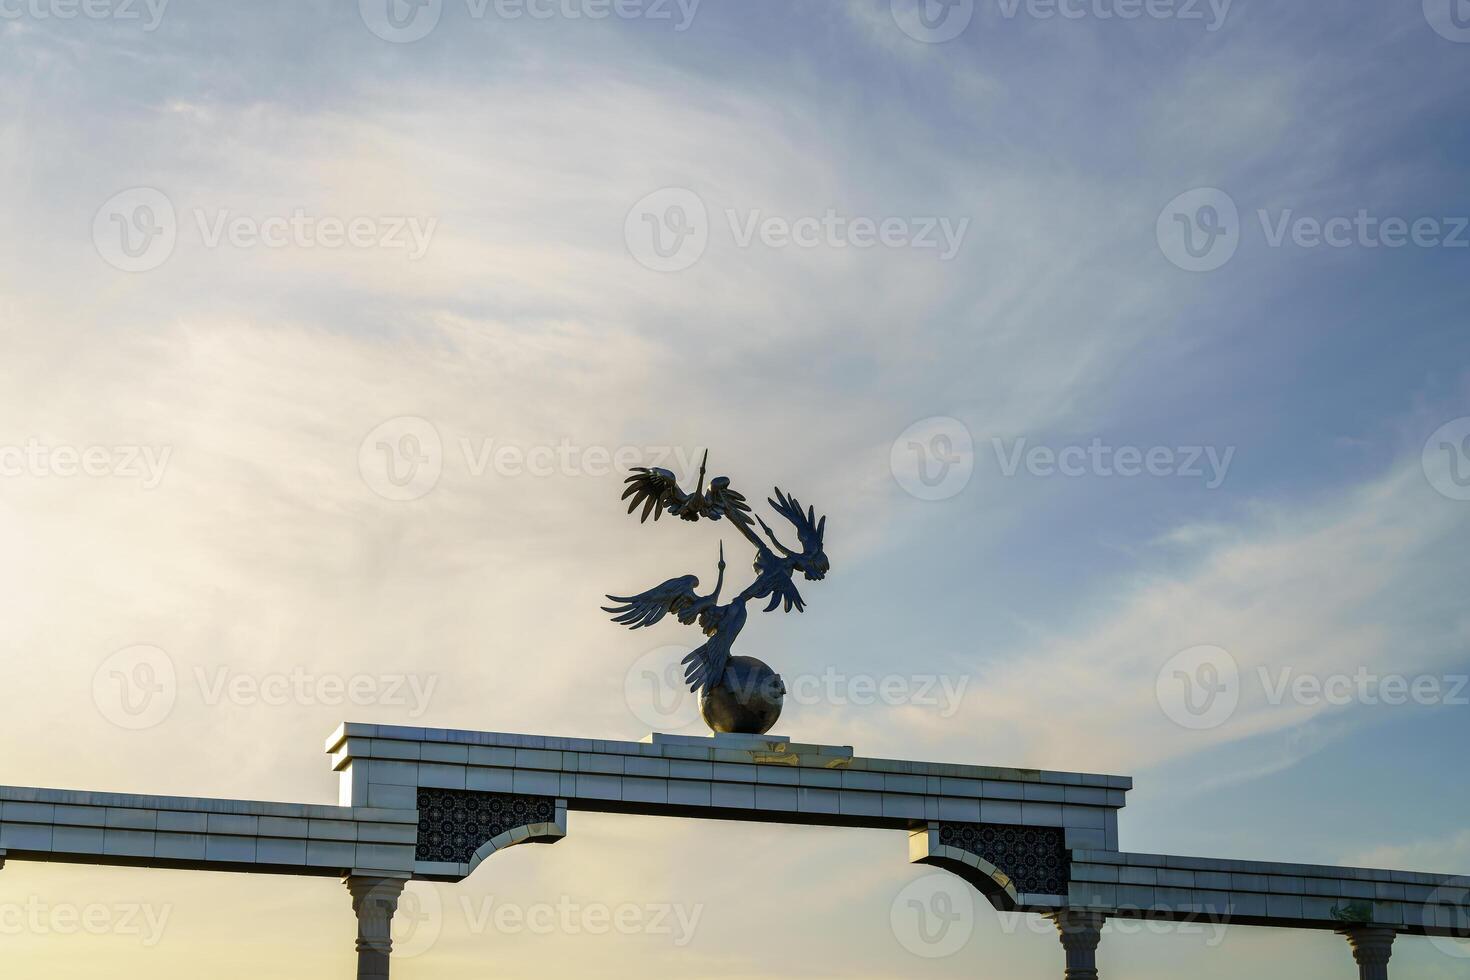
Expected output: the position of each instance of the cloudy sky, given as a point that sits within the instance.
(1124, 347)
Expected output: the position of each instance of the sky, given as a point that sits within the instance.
(1124, 347)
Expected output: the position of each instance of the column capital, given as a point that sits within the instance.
(374, 890)
(374, 901)
(1080, 932)
(1078, 925)
(1372, 947)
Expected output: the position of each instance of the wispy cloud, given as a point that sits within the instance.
(528, 323)
(1360, 581)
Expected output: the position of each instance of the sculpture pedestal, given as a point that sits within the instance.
(758, 745)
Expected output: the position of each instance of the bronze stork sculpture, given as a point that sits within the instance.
(737, 694)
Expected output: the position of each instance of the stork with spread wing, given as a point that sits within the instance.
(657, 490)
(736, 693)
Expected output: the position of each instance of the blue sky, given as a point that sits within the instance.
(525, 150)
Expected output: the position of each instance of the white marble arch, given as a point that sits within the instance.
(371, 837)
(536, 833)
(987, 879)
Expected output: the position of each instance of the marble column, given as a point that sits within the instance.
(374, 900)
(1080, 933)
(1372, 946)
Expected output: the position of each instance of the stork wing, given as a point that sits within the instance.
(722, 501)
(647, 608)
(705, 664)
(808, 529)
(783, 590)
(656, 489)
